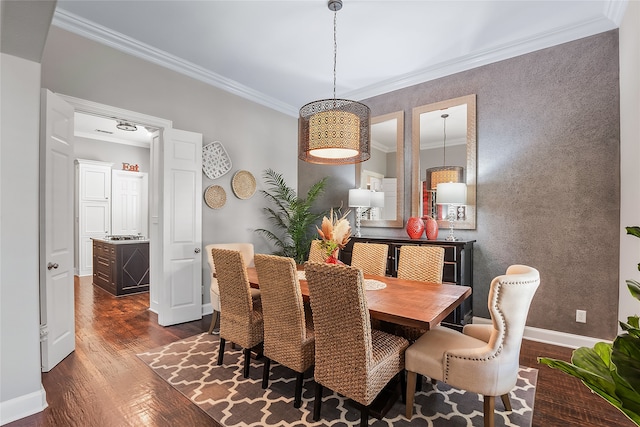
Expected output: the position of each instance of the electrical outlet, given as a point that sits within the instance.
(581, 316)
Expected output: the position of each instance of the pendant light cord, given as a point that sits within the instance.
(335, 51)
(444, 141)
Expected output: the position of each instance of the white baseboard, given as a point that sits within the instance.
(207, 308)
(547, 336)
(23, 406)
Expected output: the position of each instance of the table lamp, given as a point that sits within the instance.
(359, 198)
(452, 194)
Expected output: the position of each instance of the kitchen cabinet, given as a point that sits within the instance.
(121, 267)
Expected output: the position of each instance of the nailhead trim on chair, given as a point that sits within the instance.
(503, 329)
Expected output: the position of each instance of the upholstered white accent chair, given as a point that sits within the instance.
(246, 249)
(483, 359)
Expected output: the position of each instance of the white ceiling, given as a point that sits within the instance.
(280, 53)
(104, 129)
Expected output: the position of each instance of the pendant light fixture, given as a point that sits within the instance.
(334, 131)
(444, 173)
(439, 175)
(126, 126)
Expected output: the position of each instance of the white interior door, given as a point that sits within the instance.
(181, 288)
(129, 203)
(155, 235)
(56, 237)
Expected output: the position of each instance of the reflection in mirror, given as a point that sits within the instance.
(444, 150)
(383, 173)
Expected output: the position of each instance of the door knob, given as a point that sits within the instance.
(197, 250)
(52, 265)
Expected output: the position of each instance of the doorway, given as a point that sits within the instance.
(175, 226)
(112, 168)
(154, 209)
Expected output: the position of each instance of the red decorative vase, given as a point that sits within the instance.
(431, 228)
(333, 258)
(415, 227)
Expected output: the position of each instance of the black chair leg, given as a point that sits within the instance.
(297, 400)
(403, 386)
(247, 360)
(221, 351)
(317, 403)
(364, 416)
(265, 372)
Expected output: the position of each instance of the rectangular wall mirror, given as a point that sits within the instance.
(444, 150)
(384, 172)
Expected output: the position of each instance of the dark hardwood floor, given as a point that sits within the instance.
(103, 383)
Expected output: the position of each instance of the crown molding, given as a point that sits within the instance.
(613, 12)
(565, 34)
(90, 30)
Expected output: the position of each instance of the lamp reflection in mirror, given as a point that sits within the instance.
(377, 203)
(454, 196)
(359, 198)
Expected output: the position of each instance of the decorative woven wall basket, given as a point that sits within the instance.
(215, 160)
(243, 184)
(215, 197)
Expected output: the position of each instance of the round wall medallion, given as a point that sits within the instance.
(243, 184)
(215, 196)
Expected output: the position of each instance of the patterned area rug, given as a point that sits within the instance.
(190, 366)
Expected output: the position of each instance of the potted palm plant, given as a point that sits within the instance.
(611, 370)
(292, 216)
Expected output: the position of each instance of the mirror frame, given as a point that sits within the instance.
(470, 222)
(399, 221)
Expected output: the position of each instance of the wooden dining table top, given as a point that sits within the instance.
(404, 302)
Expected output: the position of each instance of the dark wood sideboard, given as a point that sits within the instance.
(458, 267)
(122, 267)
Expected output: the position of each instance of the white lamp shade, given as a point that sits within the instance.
(451, 193)
(377, 199)
(359, 198)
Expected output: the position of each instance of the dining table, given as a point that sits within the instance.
(404, 302)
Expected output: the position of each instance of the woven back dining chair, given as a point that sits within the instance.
(423, 263)
(316, 253)
(241, 319)
(371, 258)
(351, 358)
(482, 359)
(288, 327)
(246, 249)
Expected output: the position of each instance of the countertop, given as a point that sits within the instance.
(120, 242)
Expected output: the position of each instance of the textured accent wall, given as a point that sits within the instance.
(548, 176)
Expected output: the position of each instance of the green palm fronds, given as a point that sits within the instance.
(291, 216)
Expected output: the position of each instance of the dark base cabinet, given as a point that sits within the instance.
(458, 267)
(121, 268)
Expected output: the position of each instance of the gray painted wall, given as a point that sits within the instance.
(548, 176)
(255, 137)
(103, 151)
(20, 385)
